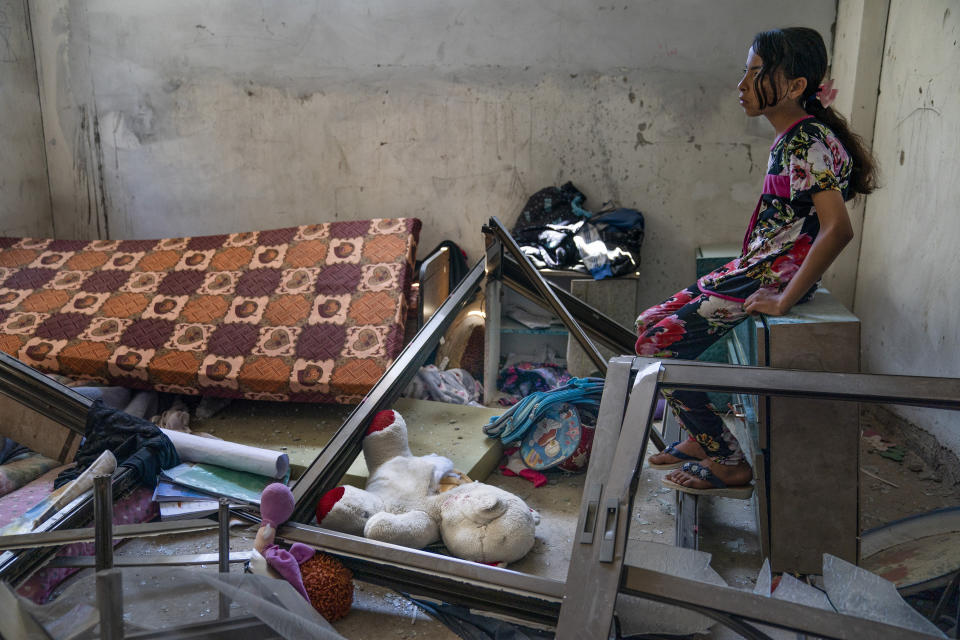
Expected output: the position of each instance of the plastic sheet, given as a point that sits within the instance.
(162, 599)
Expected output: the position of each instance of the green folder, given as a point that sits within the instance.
(219, 481)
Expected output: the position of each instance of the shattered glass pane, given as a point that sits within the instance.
(857, 592)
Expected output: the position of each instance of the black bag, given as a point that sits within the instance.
(551, 205)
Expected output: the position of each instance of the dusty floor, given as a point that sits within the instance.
(727, 530)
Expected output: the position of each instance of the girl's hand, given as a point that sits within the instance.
(766, 301)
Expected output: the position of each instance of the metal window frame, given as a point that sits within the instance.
(539, 599)
(583, 607)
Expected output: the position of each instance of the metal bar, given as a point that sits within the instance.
(533, 609)
(335, 458)
(247, 627)
(685, 523)
(223, 552)
(417, 560)
(588, 600)
(88, 562)
(496, 227)
(693, 594)
(940, 393)
(110, 603)
(68, 536)
(103, 521)
(612, 403)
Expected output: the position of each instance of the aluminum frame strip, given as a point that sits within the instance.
(533, 598)
(447, 578)
(69, 536)
(940, 393)
(588, 600)
(88, 562)
(742, 605)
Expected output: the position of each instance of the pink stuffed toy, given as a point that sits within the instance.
(328, 585)
(276, 507)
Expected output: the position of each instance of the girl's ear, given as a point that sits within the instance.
(796, 88)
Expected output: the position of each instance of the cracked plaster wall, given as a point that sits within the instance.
(24, 194)
(184, 118)
(906, 293)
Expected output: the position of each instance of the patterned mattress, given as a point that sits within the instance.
(310, 314)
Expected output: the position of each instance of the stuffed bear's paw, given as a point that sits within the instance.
(347, 509)
(411, 529)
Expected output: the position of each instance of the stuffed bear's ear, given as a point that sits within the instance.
(383, 420)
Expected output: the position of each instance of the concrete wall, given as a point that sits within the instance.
(24, 194)
(855, 70)
(186, 118)
(907, 282)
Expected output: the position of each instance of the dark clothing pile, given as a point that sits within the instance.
(556, 232)
(137, 444)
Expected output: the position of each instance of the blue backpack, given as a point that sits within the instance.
(548, 425)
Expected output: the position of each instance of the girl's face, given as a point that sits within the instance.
(788, 91)
(749, 99)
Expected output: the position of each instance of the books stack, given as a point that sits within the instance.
(193, 490)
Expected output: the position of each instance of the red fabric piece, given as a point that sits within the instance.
(326, 503)
(537, 478)
(381, 421)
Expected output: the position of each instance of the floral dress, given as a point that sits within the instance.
(804, 160)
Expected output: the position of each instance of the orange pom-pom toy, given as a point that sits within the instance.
(329, 585)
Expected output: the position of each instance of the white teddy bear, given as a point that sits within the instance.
(401, 504)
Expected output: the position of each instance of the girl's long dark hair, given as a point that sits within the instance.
(800, 53)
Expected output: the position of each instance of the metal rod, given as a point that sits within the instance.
(417, 560)
(940, 393)
(588, 600)
(69, 536)
(103, 521)
(89, 562)
(223, 550)
(496, 227)
(223, 530)
(110, 604)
